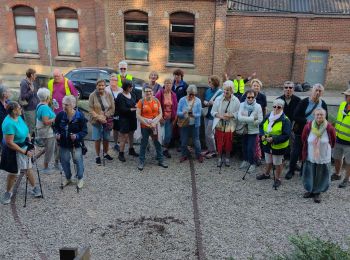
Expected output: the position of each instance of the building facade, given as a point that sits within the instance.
(202, 37)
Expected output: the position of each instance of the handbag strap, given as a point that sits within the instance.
(100, 101)
(215, 94)
(312, 110)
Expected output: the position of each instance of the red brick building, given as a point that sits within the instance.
(203, 37)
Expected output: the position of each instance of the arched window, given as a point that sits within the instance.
(67, 30)
(136, 35)
(181, 45)
(25, 27)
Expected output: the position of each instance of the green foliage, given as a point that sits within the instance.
(309, 248)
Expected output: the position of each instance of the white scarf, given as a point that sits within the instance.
(272, 119)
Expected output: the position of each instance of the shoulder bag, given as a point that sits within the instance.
(109, 124)
(206, 109)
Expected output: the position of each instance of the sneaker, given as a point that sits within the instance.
(200, 159)
(162, 164)
(297, 168)
(335, 177)
(219, 163)
(227, 162)
(251, 168)
(263, 177)
(244, 164)
(116, 147)
(140, 166)
(343, 184)
(7, 198)
(317, 198)
(277, 183)
(36, 192)
(66, 182)
(108, 157)
(98, 160)
(210, 155)
(133, 152)
(46, 171)
(308, 195)
(166, 154)
(80, 183)
(183, 158)
(204, 153)
(289, 175)
(121, 157)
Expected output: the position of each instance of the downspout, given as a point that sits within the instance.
(213, 51)
(295, 47)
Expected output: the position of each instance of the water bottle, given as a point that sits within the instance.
(55, 104)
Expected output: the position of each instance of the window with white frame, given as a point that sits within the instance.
(136, 35)
(25, 27)
(181, 38)
(67, 30)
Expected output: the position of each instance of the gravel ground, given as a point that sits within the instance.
(124, 214)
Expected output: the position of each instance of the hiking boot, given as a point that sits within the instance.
(183, 158)
(140, 166)
(133, 152)
(98, 160)
(308, 195)
(80, 183)
(162, 164)
(244, 164)
(219, 163)
(166, 154)
(121, 157)
(7, 198)
(317, 198)
(108, 157)
(277, 183)
(200, 159)
(289, 175)
(116, 147)
(66, 182)
(36, 192)
(263, 177)
(343, 184)
(335, 177)
(227, 162)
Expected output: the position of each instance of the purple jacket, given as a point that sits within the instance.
(160, 97)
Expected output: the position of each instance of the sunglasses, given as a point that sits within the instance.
(250, 97)
(288, 87)
(191, 94)
(122, 68)
(278, 107)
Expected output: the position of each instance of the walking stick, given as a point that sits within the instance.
(222, 150)
(75, 166)
(25, 196)
(103, 151)
(274, 176)
(243, 178)
(37, 171)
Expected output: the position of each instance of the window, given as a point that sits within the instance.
(136, 35)
(25, 26)
(90, 75)
(67, 30)
(181, 38)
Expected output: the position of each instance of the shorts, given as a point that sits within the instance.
(274, 159)
(23, 163)
(97, 131)
(340, 151)
(127, 125)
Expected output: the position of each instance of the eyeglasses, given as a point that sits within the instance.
(191, 95)
(122, 68)
(278, 107)
(250, 97)
(288, 87)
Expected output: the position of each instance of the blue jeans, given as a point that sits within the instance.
(184, 132)
(65, 155)
(146, 133)
(168, 132)
(248, 145)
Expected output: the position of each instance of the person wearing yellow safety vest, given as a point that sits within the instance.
(342, 145)
(123, 73)
(60, 87)
(275, 131)
(239, 84)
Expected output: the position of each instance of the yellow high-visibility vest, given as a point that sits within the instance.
(120, 83)
(239, 86)
(276, 130)
(342, 125)
(66, 87)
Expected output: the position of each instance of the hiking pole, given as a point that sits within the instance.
(37, 171)
(75, 166)
(103, 151)
(274, 176)
(25, 195)
(243, 178)
(222, 150)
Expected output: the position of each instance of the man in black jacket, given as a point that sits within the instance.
(303, 114)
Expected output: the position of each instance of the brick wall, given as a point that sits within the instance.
(270, 45)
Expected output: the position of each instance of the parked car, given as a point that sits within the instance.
(84, 80)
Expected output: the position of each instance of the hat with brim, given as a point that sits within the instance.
(347, 92)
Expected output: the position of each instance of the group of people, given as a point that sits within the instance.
(295, 128)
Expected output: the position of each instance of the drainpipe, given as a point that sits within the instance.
(213, 51)
(295, 47)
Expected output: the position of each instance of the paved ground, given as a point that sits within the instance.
(126, 214)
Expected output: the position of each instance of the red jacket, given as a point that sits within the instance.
(160, 97)
(306, 131)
